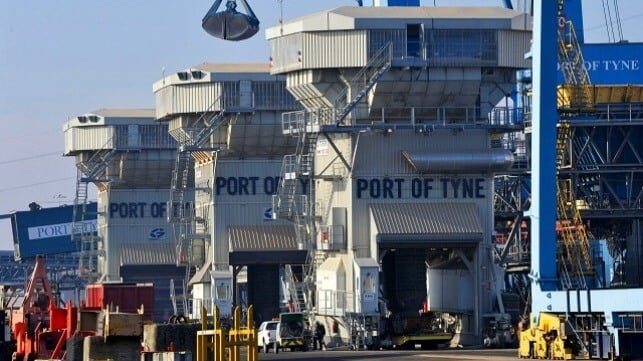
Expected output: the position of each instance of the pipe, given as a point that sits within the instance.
(491, 160)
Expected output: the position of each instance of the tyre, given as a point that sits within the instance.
(276, 348)
(265, 346)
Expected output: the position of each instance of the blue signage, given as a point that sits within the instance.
(395, 188)
(49, 230)
(612, 64)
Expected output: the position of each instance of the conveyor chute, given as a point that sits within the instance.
(230, 24)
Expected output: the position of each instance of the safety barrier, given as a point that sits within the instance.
(221, 344)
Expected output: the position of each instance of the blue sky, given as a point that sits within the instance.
(60, 59)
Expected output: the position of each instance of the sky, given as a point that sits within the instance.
(61, 59)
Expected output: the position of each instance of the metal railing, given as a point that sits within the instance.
(334, 302)
(311, 120)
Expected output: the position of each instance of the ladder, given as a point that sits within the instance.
(88, 241)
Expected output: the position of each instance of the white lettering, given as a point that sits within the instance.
(605, 65)
(61, 229)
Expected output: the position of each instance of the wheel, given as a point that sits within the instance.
(276, 348)
(265, 346)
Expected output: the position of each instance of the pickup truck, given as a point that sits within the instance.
(293, 332)
(267, 335)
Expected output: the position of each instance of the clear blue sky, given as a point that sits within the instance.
(60, 59)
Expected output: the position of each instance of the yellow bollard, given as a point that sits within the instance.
(227, 346)
(234, 335)
(253, 351)
(201, 338)
(220, 338)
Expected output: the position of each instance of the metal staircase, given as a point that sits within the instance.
(290, 202)
(364, 80)
(576, 94)
(574, 97)
(90, 243)
(179, 299)
(298, 293)
(182, 210)
(576, 262)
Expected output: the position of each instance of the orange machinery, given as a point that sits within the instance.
(39, 327)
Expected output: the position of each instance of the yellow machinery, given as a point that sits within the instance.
(219, 344)
(546, 340)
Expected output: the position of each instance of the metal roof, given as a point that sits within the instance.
(217, 72)
(353, 18)
(434, 221)
(113, 116)
(265, 238)
(148, 254)
(125, 113)
(235, 67)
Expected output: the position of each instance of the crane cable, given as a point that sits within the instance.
(617, 14)
(607, 14)
(613, 20)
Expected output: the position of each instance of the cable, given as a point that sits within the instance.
(617, 13)
(622, 20)
(28, 158)
(608, 24)
(35, 184)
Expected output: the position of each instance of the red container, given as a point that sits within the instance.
(127, 296)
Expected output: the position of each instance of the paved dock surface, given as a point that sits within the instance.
(439, 355)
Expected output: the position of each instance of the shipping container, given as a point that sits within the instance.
(128, 297)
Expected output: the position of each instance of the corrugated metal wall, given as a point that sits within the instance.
(318, 50)
(284, 52)
(512, 47)
(124, 137)
(329, 193)
(335, 49)
(145, 169)
(88, 138)
(187, 98)
(242, 193)
(380, 153)
(379, 156)
(160, 277)
(132, 216)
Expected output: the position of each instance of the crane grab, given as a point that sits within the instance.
(230, 24)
